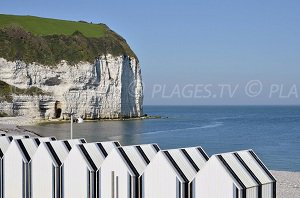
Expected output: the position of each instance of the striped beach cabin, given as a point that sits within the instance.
(47, 167)
(83, 163)
(17, 166)
(235, 175)
(122, 169)
(171, 172)
(4, 144)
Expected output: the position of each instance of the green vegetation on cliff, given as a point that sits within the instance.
(48, 41)
(6, 91)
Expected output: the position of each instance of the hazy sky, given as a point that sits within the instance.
(198, 52)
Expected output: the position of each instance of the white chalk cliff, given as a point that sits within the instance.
(111, 87)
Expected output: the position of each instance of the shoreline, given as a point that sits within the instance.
(288, 182)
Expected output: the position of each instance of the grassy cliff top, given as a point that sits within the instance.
(44, 26)
(48, 41)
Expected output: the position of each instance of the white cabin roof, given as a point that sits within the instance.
(4, 143)
(6, 140)
(186, 161)
(59, 150)
(256, 166)
(28, 146)
(246, 168)
(139, 156)
(95, 153)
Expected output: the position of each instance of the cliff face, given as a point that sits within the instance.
(111, 87)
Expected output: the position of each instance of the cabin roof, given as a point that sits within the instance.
(186, 161)
(139, 156)
(28, 146)
(246, 168)
(4, 143)
(6, 140)
(95, 153)
(59, 150)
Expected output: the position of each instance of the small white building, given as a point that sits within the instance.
(83, 163)
(47, 168)
(171, 172)
(4, 144)
(121, 171)
(17, 166)
(235, 175)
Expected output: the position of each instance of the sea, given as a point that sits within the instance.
(273, 132)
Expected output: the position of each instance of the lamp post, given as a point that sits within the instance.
(71, 128)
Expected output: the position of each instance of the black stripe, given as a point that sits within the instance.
(53, 179)
(20, 143)
(274, 189)
(1, 178)
(231, 171)
(190, 160)
(82, 141)
(117, 144)
(186, 190)
(1, 153)
(100, 146)
(2, 134)
(52, 138)
(37, 141)
(136, 186)
(129, 162)
(176, 166)
(26, 136)
(156, 147)
(262, 165)
(191, 189)
(251, 173)
(140, 150)
(10, 138)
(244, 193)
(62, 182)
(141, 186)
(130, 186)
(179, 190)
(236, 192)
(94, 192)
(67, 145)
(88, 157)
(88, 184)
(23, 179)
(53, 153)
(97, 184)
(203, 153)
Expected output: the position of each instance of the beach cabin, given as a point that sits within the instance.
(235, 175)
(17, 166)
(47, 168)
(121, 171)
(171, 172)
(4, 144)
(83, 163)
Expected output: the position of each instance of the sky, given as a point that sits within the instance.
(198, 52)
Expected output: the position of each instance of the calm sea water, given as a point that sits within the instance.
(273, 132)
